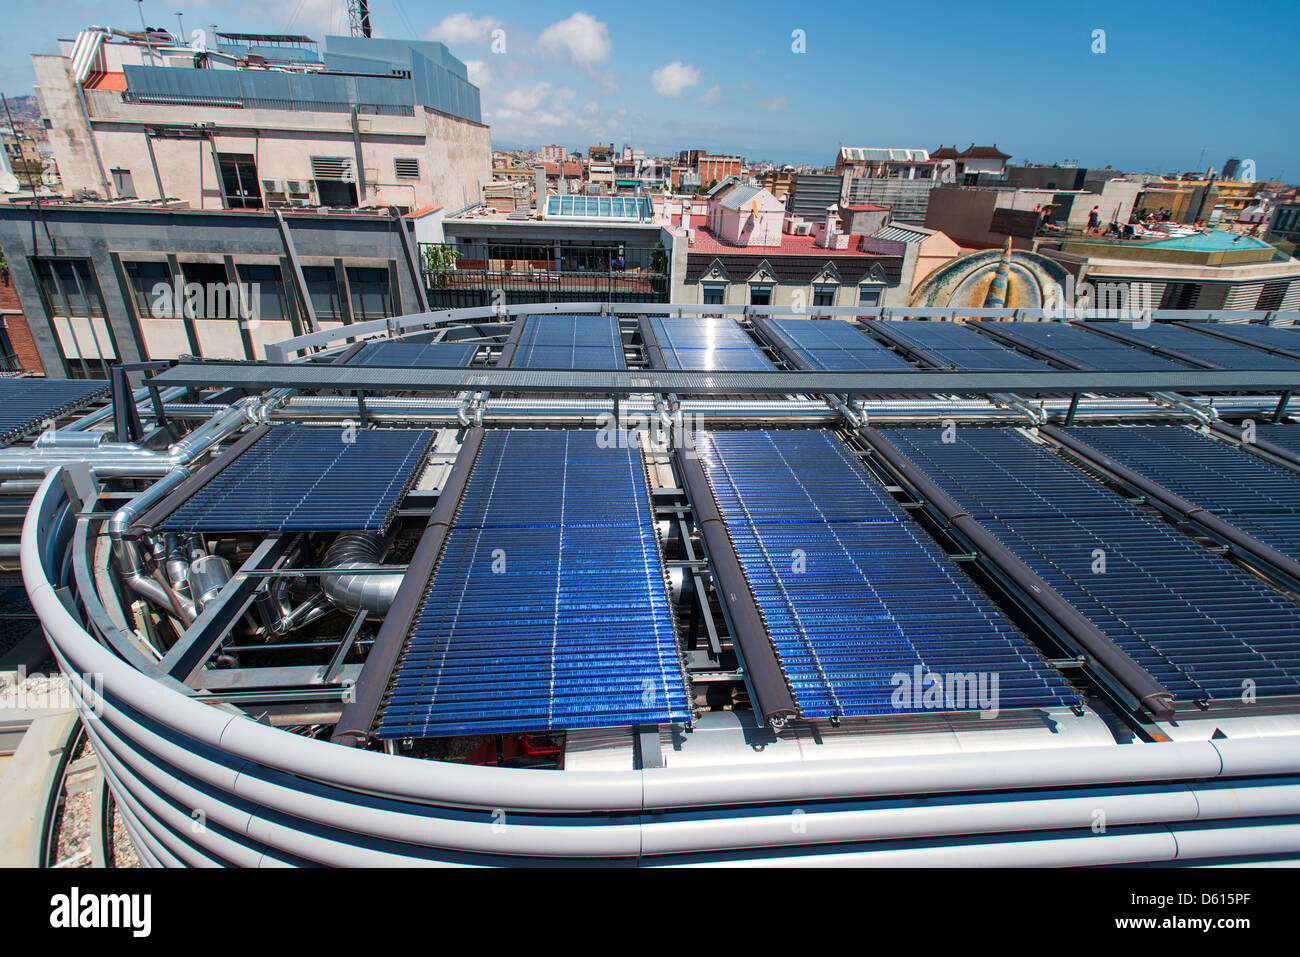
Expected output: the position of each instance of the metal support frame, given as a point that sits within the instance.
(769, 689)
(193, 649)
(304, 294)
(358, 718)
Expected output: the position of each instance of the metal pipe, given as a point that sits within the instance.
(769, 687)
(1207, 415)
(374, 590)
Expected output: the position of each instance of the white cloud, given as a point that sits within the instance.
(712, 95)
(775, 103)
(464, 28)
(480, 74)
(581, 38)
(672, 78)
(527, 99)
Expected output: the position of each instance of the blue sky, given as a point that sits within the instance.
(1175, 78)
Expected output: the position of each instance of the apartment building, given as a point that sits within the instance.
(100, 283)
(263, 121)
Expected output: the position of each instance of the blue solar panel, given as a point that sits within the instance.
(831, 346)
(950, 345)
(853, 593)
(1287, 436)
(1083, 349)
(570, 342)
(1242, 489)
(707, 344)
(308, 479)
(548, 609)
(430, 355)
(1198, 624)
(1267, 337)
(1218, 353)
(27, 403)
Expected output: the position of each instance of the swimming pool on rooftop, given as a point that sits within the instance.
(1217, 240)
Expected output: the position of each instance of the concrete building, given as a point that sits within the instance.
(259, 122)
(973, 162)
(728, 254)
(1215, 270)
(884, 163)
(811, 193)
(1284, 226)
(985, 217)
(717, 168)
(927, 249)
(88, 276)
(549, 256)
(553, 154)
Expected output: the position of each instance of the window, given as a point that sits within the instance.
(336, 181)
(715, 294)
(823, 296)
(123, 185)
(264, 293)
(1180, 295)
(323, 288)
(1271, 295)
(406, 167)
(239, 180)
(67, 287)
(142, 277)
(371, 295)
(760, 295)
(213, 299)
(868, 295)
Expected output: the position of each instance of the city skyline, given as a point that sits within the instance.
(790, 87)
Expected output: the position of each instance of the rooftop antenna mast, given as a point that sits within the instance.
(359, 18)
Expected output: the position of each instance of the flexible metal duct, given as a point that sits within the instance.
(362, 581)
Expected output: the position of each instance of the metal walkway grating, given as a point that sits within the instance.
(309, 479)
(1198, 624)
(852, 592)
(548, 608)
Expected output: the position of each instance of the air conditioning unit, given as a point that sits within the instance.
(273, 186)
(298, 187)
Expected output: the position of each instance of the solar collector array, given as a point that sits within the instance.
(26, 403)
(1195, 622)
(430, 355)
(852, 593)
(1216, 352)
(309, 479)
(707, 344)
(953, 346)
(548, 608)
(1084, 350)
(827, 345)
(1256, 496)
(570, 342)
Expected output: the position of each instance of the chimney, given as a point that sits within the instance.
(539, 184)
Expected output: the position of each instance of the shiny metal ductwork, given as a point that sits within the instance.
(360, 582)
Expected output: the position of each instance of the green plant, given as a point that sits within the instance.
(439, 260)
